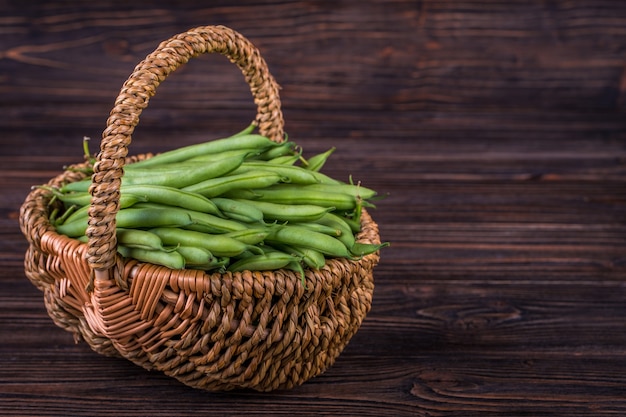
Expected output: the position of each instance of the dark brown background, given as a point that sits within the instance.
(498, 128)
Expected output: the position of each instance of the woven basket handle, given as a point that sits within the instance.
(134, 97)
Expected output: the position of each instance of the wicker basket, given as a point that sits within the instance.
(261, 330)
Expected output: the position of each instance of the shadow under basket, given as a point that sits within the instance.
(261, 330)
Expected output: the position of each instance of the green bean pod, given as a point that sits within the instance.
(217, 186)
(286, 160)
(217, 244)
(325, 179)
(131, 218)
(299, 236)
(218, 263)
(339, 223)
(170, 175)
(147, 217)
(293, 174)
(321, 228)
(355, 225)
(244, 153)
(284, 148)
(171, 196)
(288, 212)
(137, 238)
(81, 186)
(69, 210)
(173, 175)
(68, 198)
(238, 210)
(311, 258)
(204, 221)
(180, 175)
(292, 194)
(215, 146)
(265, 262)
(360, 249)
(172, 259)
(356, 191)
(127, 200)
(316, 162)
(194, 255)
(75, 228)
(249, 236)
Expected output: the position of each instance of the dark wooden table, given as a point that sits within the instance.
(498, 128)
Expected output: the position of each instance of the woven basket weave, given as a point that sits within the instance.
(261, 330)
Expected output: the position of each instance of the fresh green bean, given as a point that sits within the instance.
(68, 198)
(288, 212)
(312, 258)
(76, 186)
(238, 210)
(217, 186)
(271, 260)
(217, 244)
(126, 201)
(80, 198)
(357, 191)
(217, 263)
(282, 149)
(245, 153)
(287, 160)
(299, 194)
(299, 236)
(137, 238)
(265, 262)
(171, 196)
(75, 228)
(354, 225)
(315, 163)
(360, 249)
(53, 217)
(145, 217)
(337, 222)
(214, 146)
(321, 228)
(241, 194)
(172, 260)
(293, 174)
(194, 255)
(325, 179)
(296, 266)
(168, 175)
(181, 175)
(249, 236)
(63, 218)
(132, 218)
(174, 175)
(205, 221)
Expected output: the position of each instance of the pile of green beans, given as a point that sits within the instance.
(238, 203)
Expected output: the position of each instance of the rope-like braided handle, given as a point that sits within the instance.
(134, 97)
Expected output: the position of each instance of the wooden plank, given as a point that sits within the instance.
(496, 128)
(467, 347)
(407, 56)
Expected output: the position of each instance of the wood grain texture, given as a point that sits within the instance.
(497, 129)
